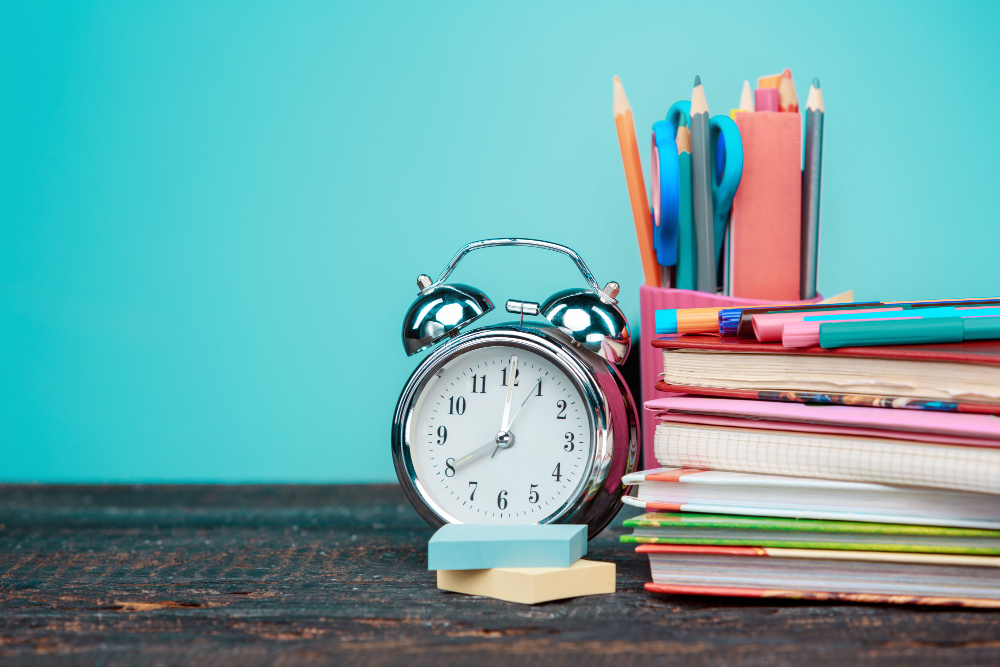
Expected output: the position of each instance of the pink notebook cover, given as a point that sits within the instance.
(819, 595)
(981, 430)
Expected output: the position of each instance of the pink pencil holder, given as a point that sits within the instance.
(652, 299)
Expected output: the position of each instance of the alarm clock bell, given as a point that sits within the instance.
(590, 317)
(439, 312)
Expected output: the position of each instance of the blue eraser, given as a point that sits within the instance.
(459, 546)
(665, 321)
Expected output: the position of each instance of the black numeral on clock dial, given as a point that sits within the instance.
(449, 470)
(556, 473)
(562, 409)
(503, 376)
(479, 381)
(533, 495)
(456, 406)
(502, 500)
(474, 485)
(569, 442)
(442, 435)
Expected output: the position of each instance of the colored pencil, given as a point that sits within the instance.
(687, 257)
(811, 185)
(746, 98)
(787, 99)
(636, 185)
(746, 101)
(701, 186)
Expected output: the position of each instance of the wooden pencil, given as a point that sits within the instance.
(787, 99)
(811, 185)
(746, 98)
(701, 188)
(636, 185)
(687, 258)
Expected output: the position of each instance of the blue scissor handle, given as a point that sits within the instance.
(727, 147)
(679, 108)
(665, 231)
(665, 236)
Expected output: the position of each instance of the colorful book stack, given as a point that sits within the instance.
(525, 564)
(852, 473)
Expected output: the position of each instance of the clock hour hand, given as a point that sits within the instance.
(476, 454)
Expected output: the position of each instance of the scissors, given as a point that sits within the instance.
(663, 181)
(727, 154)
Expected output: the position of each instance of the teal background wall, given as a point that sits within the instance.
(212, 214)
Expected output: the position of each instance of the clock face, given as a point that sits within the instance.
(522, 477)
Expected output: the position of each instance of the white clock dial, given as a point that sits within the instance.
(523, 479)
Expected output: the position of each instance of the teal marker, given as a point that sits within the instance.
(925, 331)
(944, 311)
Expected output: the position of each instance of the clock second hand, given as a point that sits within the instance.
(526, 399)
(480, 451)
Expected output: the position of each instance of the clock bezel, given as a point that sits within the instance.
(582, 367)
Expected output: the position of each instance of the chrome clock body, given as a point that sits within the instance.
(611, 415)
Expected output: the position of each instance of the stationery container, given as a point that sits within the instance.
(652, 299)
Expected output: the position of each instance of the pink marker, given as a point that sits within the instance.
(767, 327)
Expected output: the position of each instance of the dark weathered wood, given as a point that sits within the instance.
(337, 574)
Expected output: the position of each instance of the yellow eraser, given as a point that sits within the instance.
(531, 585)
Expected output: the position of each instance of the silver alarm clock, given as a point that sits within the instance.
(520, 423)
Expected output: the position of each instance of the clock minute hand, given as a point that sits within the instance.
(506, 422)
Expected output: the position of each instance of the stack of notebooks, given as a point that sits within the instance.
(867, 474)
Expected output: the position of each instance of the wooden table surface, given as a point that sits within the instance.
(248, 575)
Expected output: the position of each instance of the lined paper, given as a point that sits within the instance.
(821, 456)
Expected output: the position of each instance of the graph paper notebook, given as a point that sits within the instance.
(958, 373)
(844, 576)
(828, 456)
(725, 530)
(713, 492)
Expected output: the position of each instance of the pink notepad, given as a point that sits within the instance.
(924, 426)
(767, 215)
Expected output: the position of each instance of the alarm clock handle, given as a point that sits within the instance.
(610, 291)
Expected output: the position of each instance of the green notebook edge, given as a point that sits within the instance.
(693, 520)
(839, 546)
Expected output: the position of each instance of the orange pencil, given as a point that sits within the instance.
(636, 184)
(787, 99)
